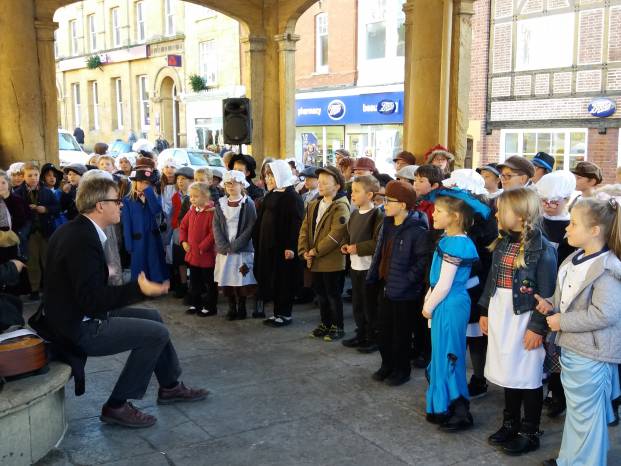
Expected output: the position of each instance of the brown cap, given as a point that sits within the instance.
(144, 162)
(364, 163)
(588, 170)
(518, 164)
(403, 192)
(334, 173)
(406, 156)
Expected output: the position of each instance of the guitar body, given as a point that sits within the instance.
(22, 355)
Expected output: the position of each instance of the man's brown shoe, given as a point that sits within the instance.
(180, 393)
(127, 415)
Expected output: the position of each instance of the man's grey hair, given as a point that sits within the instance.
(92, 191)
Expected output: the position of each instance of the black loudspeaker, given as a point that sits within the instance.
(237, 121)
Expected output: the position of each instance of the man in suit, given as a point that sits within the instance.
(93, 317)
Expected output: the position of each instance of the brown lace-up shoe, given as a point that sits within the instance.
(180, 393)
(127, 415)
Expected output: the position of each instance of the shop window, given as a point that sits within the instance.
(376, 30)
(56, 51)
(321, 43)
(143, 102)
(567, 146)
(319, 143)
(400, 31)
(208, 62)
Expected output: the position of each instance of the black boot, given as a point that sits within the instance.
(241, 309)
(259, 309)
(508, 431)
(527, 440)
(460, 417)
(232, 312)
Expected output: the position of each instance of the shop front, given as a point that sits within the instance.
(365, 124)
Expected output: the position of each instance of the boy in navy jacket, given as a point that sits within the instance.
(44, 207)
(399, 263)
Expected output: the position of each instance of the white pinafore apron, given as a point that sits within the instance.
(508, 364)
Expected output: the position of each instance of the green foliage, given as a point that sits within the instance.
(93, 62)
(197, 83)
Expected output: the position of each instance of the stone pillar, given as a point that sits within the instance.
(286, 80)
(253, 78)
(423, 92)
(460, 79)
(22, 133)
(47, 80)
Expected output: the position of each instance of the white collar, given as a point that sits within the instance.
(102, 236)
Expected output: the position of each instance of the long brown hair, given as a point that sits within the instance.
(525, 204)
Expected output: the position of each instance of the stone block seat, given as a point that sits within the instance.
(32, 415)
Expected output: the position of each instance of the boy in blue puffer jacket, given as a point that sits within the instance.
(399, 263)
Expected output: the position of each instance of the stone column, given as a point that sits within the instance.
(423, 94)
(22, 135)
(253, 78)
(47, 80)
(460, 79)
(286, 79)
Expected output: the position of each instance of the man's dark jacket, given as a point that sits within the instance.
(76, 280)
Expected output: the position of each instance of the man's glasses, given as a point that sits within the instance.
(117, 201)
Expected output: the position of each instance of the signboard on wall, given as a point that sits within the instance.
(369, 109)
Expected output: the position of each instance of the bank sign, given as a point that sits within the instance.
(364, 109)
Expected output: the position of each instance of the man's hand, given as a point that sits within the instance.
(554, 322)
(289, 254)
(186, 246)
(149, 288)
(543, 305)
(352, 249)
(532, 340)
(483, 324)
(19, 265)
(344, 249)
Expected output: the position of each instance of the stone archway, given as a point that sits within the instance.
(169, 111)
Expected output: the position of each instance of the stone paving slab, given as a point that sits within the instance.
(279, 397)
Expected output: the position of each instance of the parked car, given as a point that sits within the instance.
(119, 147)
(194, 158)
(69, 151)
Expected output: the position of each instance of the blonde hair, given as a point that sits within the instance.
(605, 214)
(368, 182)
(201, 187)
(457, 207)
(31, 166)
(105, 157)
(204, 171)
(525, 204)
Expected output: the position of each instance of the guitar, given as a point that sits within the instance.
(21, 355)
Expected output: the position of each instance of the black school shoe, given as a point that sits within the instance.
(334, 334)
(381, 374)
(397, 378)
(191, 310)
(459, 417)
(281, 321)
(508, 431)
(320, 331)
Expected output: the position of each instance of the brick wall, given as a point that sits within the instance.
(602, 150)
(342, 26)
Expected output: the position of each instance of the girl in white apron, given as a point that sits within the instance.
(233, 224)
(523, 263)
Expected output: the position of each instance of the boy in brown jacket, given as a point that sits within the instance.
(323, 230)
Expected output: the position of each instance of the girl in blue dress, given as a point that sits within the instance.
(447, 304)
(141, 229)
